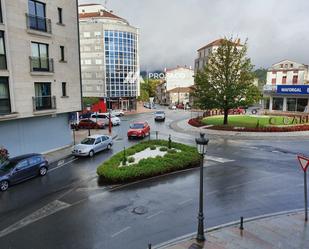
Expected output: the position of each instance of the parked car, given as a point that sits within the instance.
(92, 144)
(139, 129)
(104, 117)
(238, 111)
(147, 105)
(159, 116)
(118, 113)
(172, 107)
(180, 106)
(21, 168)
(90, 124)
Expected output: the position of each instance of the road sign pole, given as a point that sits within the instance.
(306, 195)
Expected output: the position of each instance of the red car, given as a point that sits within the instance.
(90, 124)
(139, 129)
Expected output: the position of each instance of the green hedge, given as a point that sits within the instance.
(110, 173)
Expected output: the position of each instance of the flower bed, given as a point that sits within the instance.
(262, 129)
(110, 172)
(196, 122)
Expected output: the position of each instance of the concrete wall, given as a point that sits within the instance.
(20, 137)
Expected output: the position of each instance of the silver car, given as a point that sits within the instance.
(104, 117)
(92, 144)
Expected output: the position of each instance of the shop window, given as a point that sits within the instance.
(278, 104)
(295, 79)
(291, 104)
(301, 104)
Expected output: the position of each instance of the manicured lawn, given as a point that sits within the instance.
(247, 121)
(180, 157)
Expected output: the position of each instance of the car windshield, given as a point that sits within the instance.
(160, 112)
(7, 165)
(137, 126)
(88, 141)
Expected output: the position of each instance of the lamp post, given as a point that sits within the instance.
(88, 114)
(201, 144)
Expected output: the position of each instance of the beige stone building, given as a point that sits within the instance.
(40, 81)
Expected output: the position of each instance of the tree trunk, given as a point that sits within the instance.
(226, 114)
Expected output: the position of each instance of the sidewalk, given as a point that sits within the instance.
(285, 231)
(65, 152)
(183, 126)
(139, 109)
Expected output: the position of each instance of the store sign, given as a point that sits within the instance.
(293, 89)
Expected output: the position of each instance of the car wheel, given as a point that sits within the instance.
(43, 171)
(91, 153)
(109, 146)
(4, 185)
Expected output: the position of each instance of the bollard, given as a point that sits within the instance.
(149, 137)
(241, 223)
(149, 246)
(157, 135)
(169, 142)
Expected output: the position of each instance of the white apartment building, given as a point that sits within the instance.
(205, 51)
(109, 57)
(287, 87)
(40, 81)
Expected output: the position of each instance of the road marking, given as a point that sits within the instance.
(184, 202)
(91, 189)
(153, 215)
(121, 231)
(60, 166)
(43, 212)
(218, 159)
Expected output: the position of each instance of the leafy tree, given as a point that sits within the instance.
(261, 74)
(227, 80)
(89, 101)
(148, 89)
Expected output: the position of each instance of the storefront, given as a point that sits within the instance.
(286, 98)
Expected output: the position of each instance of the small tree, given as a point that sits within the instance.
(4, 154)
(227, 80)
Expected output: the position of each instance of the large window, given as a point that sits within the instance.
(5, 105)
(40, 60)
(301, 104)
(1, 17)
(37, 15)
(278, 104)
(43, 98)
(2, 52)
(291, 104)
(60, 15)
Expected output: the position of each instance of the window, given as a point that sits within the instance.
(39, 60)
(43, 98)
(278, 104)
(284, 80)
(98, 61)
(2, 52)
(37, 15)
(291, 104)
(1, 18)
(35, 160)
(87, 49)
(281, 65)
(5, 105)
(88, 62)
(301, 105)
(62, 53)
(97, 47)
(97, 34)
(22, 165)
(273, 81)
(295, 79)
(86, 34)
(60, 15)
(64, 89)
(291, 65)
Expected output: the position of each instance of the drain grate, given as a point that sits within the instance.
(140, 210)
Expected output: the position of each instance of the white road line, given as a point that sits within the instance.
(153, 215)
(45, 211)
(60, 166)
(184, 202)
(218, 159)
(121, 231)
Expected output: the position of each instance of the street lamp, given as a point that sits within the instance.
(201, 144)
(88, 114)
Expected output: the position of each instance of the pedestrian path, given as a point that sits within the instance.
(283, 231)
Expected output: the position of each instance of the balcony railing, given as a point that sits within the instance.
(39, 23)
(41, 64)
(41, 103)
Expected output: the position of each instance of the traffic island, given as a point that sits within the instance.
(147, 159)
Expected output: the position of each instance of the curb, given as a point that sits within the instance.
(229, 224)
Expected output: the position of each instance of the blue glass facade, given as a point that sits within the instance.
(121, 64)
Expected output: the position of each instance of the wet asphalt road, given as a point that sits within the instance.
(67, 208)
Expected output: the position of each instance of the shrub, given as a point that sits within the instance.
(163, 149)
(131, 159)
(173, 151)
(110, 172)
(152, 147)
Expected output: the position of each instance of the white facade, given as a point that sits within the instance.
(42, 70)
(179, 77)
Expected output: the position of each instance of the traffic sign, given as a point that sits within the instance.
(304, 162)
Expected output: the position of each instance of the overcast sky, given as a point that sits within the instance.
(172, 30)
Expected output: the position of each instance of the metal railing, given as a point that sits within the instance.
(41, 103)
(41, 64)
(38, 23)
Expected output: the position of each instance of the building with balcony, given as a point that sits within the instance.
(109, 57)
(287, 87)
(40, 83)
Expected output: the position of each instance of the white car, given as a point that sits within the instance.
(92, 144)
(118, 113)
(104, 117)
